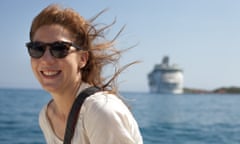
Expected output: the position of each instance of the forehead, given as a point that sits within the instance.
(52, 33)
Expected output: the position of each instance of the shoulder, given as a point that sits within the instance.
(46, 128)
(44, 123)
(105, 103)
(103, 107)
(42, 116)
(43, 120)
(107, 112)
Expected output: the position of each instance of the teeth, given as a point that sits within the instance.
(50, 73)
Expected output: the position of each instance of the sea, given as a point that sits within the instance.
(163, 119)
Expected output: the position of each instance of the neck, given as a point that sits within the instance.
(63, 101)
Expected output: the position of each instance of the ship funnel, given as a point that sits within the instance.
(165, 60)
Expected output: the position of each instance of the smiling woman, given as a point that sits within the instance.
(68, 54)
(57, 75)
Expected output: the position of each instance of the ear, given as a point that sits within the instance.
(83, 59)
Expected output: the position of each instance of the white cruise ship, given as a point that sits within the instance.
(166, 78)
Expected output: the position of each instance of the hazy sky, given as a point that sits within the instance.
(201, 36)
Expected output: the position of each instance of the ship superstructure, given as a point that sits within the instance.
(166, 78)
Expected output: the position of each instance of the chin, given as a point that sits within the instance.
(51, 88)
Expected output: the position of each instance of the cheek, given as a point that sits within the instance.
(34, 66)
(71, 64)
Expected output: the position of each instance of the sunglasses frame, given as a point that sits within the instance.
(40, 48)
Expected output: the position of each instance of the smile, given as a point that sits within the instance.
(50, 73)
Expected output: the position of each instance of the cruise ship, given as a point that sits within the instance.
(166, 78)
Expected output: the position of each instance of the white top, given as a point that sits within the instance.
(103, 119)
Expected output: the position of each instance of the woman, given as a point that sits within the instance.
(67, 56)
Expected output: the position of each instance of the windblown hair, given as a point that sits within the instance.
(87, 35)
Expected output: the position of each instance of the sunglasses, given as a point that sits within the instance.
(58, 49)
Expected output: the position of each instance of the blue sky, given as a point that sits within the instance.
(201, 36)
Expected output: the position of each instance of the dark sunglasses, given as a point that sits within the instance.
(58, 49)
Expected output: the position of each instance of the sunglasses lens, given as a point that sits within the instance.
(35, 49)
(59, 49)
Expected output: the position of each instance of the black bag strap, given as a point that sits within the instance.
(73, 115)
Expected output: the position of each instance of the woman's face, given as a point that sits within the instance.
(54, 74)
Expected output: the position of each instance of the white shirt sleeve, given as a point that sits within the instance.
(107, 120)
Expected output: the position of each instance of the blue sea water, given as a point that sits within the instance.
(163, 119)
